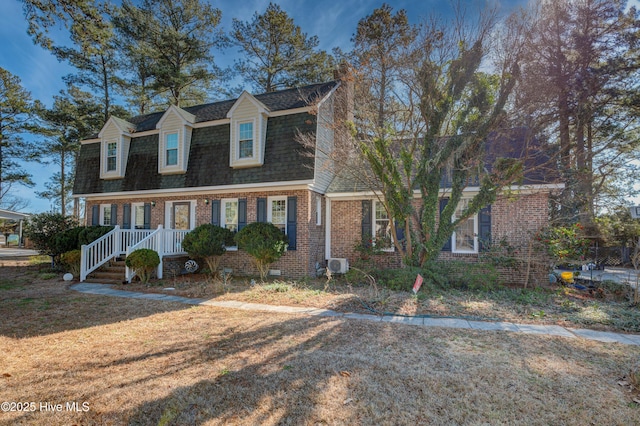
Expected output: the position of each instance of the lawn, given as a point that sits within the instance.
(606, 307)
(132, 361)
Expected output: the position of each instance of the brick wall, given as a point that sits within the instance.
(294, 263)
(514, 218)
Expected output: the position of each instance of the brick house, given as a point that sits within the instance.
(234, 162)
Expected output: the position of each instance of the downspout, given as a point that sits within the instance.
(327, 231)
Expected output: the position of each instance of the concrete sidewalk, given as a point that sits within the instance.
(549, 330)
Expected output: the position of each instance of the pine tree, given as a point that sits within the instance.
(277, 54)
(16, 119)
(170, 44)
(74, 116)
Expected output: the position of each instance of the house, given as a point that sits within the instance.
(230, 163)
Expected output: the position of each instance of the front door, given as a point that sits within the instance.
(181, 216)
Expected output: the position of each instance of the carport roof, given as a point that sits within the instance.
(8, 214)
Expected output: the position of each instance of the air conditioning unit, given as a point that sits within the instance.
(338, 266)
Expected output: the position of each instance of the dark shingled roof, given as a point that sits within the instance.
(285, 159)
(275, 101)
(518, 143)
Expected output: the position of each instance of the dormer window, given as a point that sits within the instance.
(245, 141)
(115, 138)
(175, 126)
(248, 132)
(112, 158)
(171, 146)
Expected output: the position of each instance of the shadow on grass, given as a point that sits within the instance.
(35, 301)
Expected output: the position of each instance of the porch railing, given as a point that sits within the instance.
(124, 241)
(152, 242)
(99, 252)
(173, 241)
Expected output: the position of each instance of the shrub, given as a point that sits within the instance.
(66, 241)
(400, 279)
(208, 242)
(42, 229)
(143, 262)
(565, 244)
(89, 234)
(264, 242)
(70, 261)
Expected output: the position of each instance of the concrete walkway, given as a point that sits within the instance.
(16, 252)
(549, 330)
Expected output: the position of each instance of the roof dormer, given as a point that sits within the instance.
(248, 132)
(115, 138)
(175, 126)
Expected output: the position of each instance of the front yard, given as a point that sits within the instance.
(605, 307)
(128, 361)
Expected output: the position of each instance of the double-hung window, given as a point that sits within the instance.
(112, 159)
(277, 212)
(229, 217)
(465, 236)
(381, 232)
(137, 211)
(105, 214)
(171, 149)
(245, 140)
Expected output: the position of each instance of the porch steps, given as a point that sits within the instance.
(111, 273)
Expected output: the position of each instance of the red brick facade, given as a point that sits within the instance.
(513, 218)
(294, 264)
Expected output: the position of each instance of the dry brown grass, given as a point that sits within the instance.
(145, 362)
(557, 305)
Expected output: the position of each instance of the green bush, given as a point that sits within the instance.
(143, 262)
(264, 242)
(208, 242)
(70, 261)
(399, 279)
(89, 234)
(42, 229)
(66, 241)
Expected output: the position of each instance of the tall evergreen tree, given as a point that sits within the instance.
(92, 52)
(580, 84)
(16, 119)
(171, 43)
(381, 48)
(277, 54)
(74, 116)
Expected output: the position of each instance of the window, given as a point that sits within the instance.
(137, 211)
(112, 149)
(105, 214)
(381, 228)
(171, 149)
(318, 210)
(465, 236)
(229, 217)
(277, 212)
(245, 140)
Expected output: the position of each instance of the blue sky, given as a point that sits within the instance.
(332, 21)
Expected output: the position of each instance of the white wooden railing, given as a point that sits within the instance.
(97, 253)
(173, 241)
(165, 242)
(132, 237)
(152, 242)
